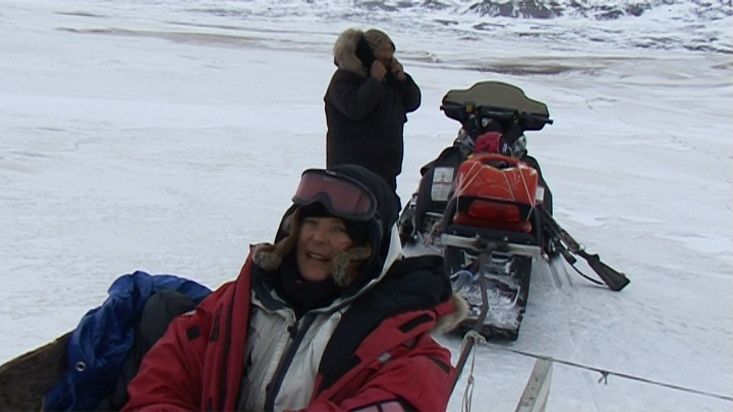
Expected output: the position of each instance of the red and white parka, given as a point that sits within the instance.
(372, 351)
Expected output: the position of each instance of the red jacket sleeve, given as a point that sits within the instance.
(170, 376)
(415, 377)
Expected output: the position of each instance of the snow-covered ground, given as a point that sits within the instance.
(168, 135)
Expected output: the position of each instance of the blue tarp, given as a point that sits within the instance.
(100, 343)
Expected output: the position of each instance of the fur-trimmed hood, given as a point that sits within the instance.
(382, 245)
(344, 52)
(270, 256)
(386, 277)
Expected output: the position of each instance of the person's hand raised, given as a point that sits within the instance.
(378, 71)
(396, 69)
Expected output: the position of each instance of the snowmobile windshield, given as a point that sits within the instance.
(342, 195)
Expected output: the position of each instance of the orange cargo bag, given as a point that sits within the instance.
(495, 191)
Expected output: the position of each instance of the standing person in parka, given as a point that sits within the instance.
(366, 104)
(329, 317)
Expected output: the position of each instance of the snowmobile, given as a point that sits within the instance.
(475, 202)
(484, 205)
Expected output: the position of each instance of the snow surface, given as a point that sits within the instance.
(167, 136)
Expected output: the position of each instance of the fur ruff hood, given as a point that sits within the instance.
(344, 52)
(270, 256)
(405, 283)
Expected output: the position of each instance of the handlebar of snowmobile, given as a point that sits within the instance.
(494, 113)
(510, 114)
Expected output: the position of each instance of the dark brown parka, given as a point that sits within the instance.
(365, 117)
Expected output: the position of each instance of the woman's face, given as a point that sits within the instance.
(384, 54)
(319, 239)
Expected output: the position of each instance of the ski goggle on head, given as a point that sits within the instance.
(341, 195)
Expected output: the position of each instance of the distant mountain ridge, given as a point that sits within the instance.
(544, 9)
(692, 25)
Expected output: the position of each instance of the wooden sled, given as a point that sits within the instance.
(26, 379)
